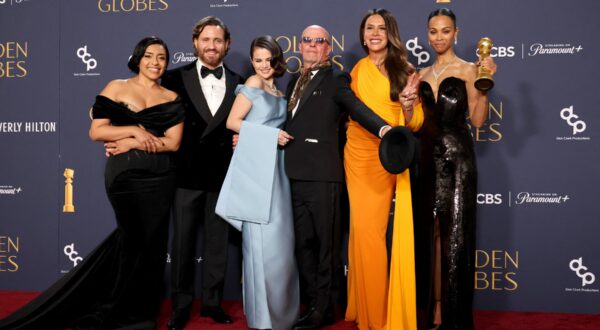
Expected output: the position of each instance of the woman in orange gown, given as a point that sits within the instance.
(386, 83)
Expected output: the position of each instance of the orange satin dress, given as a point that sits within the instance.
(376, 300)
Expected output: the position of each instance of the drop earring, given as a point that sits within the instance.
(364, 43)
(456, 41)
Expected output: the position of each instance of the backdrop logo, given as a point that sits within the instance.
(489, 199)
(583, 273)
(224, 4)
(567, 115)
(496, 270)
(291, 50)
(13, 2)
(70, 252)
(86, 58)
(577, 124)
(553, 49)
(13, 56)
(490, 131)
(577, 266)
(9, 253)
(28, 127)
(181, 57)
(500, 51)
(525, 197)
(115, 6)
(10, 190)
(417, 50)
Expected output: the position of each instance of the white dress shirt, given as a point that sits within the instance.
(212, 88)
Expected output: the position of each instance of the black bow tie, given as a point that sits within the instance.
(217, 72)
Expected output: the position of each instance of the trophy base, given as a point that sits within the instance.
(484, 84)
(68, 208)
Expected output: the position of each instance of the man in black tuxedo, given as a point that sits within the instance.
(317, 102)
(206, 89)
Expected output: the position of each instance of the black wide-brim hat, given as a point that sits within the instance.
(397, 149)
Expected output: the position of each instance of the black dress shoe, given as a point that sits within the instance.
(178, 319)
(306, 314)
(312, 320)
(216, 313)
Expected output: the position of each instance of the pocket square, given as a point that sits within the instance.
(311, 140)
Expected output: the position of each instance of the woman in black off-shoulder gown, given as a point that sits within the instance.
(447, 184)
(119, 284)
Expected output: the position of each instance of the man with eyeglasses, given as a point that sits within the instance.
(318, 100)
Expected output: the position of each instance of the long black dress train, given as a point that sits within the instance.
(119, 284)
(446, 191)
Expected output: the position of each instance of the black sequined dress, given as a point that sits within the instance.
(446, 191)
(119, 284)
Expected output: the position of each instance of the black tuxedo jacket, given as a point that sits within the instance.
(314, 154)
(205, 151)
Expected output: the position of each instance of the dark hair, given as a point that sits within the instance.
(140, 50)
(213, 21)
(396, 60)
(277, 61)
(442, 12)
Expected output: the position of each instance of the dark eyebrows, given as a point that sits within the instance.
(375, 25)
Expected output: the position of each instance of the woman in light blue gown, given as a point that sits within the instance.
(256, 198)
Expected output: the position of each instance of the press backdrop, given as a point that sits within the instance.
(538, 153)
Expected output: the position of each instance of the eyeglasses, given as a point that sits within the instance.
(318, 41)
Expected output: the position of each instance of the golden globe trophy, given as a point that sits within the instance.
(69, 174)
(484, 81)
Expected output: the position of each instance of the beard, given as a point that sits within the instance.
(211, 59)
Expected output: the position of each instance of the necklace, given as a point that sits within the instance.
(272, 86)
(436, 75)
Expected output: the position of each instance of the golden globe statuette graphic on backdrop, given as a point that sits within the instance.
(484, 81)
(69, 175)
(442, 1)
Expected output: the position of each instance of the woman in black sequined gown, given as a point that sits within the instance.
(119, 284)
(446, 196)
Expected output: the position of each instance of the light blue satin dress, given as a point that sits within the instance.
(256, 199)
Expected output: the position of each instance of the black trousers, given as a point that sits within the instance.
(318, 240)
(190, 208)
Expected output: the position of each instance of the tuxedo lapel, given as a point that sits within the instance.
(223, 111)
(191, 81)
(310, 88)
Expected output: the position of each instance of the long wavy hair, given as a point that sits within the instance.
(396, 61)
